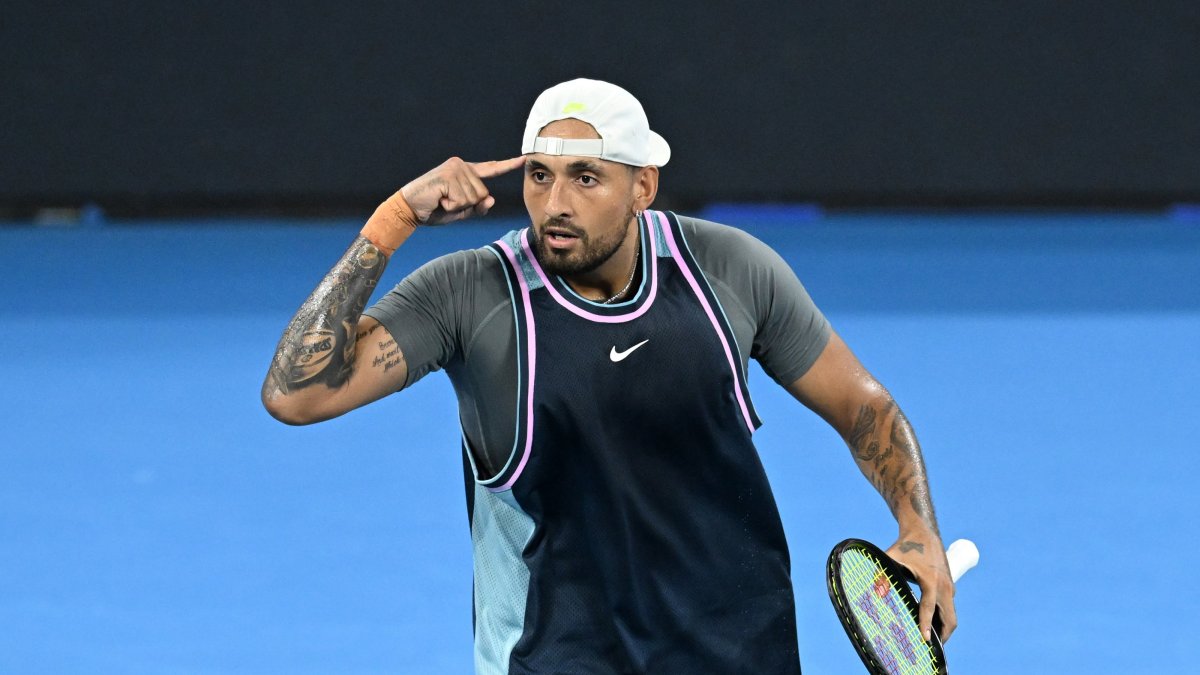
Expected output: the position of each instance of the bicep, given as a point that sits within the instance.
(836, 386)
(379, 369)
(379, 365)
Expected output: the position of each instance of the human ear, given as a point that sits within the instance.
(645, 187)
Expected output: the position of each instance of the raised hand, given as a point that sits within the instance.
(455, 190)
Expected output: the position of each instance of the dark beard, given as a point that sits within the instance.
(591, 256)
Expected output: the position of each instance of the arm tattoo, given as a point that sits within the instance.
(860, 439)
(319, 344)
(390, 355)
(897, 472)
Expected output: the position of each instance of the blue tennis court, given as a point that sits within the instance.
(154, 519)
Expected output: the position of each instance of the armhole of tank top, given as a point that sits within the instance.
(687, 263)
(523, 333)
(470, 448)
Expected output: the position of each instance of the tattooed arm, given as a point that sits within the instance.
(841, 391)
(331, 359)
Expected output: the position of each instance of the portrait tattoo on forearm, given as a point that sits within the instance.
(319, 344)
(897, 471)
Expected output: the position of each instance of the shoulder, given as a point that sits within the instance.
(450, 287)
(436, 310)
(706, 237)
(719, 248)
(707, 230)
(465, 275)
(465, 264)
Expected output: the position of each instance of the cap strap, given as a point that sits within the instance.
(583, 147)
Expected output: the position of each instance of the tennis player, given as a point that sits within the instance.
(621, 519)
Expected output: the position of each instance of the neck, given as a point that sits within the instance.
(615, 278)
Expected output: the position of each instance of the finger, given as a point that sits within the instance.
(461, 204)
(925, 613)
(498, 167)
(471, 187)
(424, 194)
(456, 198)
(466, 191)
(948, 616)
(478, 191)
(450, 215)
(484, 206)
(459, 215)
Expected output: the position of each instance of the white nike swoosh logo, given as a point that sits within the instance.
(620, 356)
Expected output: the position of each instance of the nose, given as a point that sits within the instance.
(557, 202)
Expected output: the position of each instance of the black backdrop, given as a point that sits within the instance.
(153, 106)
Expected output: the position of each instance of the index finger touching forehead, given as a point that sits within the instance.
(498, 167)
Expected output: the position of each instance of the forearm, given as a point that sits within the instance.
(839, 389)
(319, 345)
(888, 454)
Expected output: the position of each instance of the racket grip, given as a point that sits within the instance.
(962, 556)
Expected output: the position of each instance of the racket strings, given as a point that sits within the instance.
(884, 616)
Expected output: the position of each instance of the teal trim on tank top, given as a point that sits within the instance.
(660, 240)
(513, 239)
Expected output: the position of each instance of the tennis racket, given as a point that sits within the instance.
(871, 594)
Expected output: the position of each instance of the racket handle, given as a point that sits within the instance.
(962, 556)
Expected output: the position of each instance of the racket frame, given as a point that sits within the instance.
(900, 578)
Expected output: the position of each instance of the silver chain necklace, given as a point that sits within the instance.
(632, 273)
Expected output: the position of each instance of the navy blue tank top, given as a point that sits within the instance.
(633, 529)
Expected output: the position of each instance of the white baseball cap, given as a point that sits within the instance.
(614, 113)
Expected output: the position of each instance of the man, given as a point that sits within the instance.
(621, 520)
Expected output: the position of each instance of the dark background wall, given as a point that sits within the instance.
(305, 106)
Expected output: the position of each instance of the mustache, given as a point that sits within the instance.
(560, 224)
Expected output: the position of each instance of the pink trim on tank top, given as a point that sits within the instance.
(691, 279)
(532, 349)
(650, 262)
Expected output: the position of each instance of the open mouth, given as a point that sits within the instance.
(559, 237)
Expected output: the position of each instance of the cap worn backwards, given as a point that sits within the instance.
(614, 113)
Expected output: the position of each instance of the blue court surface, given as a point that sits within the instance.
(154, 519)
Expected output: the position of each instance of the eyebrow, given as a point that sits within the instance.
(585, 165)
(574, 167)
